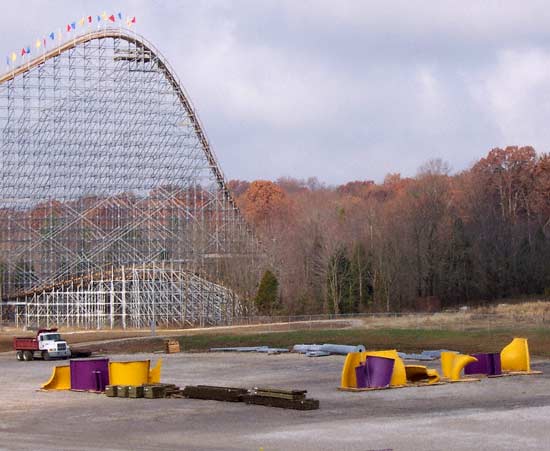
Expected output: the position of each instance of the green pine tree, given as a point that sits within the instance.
(266, 297)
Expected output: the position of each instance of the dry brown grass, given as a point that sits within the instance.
(531, 309)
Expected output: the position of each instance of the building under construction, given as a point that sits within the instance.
(113, 209)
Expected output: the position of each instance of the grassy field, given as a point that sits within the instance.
(407, 340)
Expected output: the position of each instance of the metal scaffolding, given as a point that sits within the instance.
(111, 199)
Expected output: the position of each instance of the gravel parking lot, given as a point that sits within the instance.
(506, 413)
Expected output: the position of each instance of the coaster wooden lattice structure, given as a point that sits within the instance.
(111, 196)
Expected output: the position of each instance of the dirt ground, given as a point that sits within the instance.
(78, 337)
(506, 413)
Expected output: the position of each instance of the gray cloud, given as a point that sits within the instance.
(342, 90)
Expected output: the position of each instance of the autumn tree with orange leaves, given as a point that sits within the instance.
(475, 236)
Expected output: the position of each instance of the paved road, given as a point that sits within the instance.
(502, 414)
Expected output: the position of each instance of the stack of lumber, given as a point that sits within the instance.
(153, 391)
(149, 391)
(230, 394)
(171, 346)
(286, 399)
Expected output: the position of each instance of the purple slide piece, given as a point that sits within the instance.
(494, 364)
(90, 374)
(379, 371)
(486, 364)
(479, 367)
(361, 376)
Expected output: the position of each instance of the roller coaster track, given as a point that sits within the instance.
(163, 65)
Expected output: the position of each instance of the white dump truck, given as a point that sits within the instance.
(47, 344)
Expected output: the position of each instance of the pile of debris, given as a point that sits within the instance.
(262, 349)
(171, 346)
(271, 397)
(326, 349)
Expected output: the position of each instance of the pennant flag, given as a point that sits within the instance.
(44, 42)
(38, 43)
(28, 49)
(7, 60)
(119, 16)
(90, 19)
(104, 16)
(99, 18)
(134, 19)
(73, 25)
(112, 18)
(52, 35)
(13, 56)
(81, 21)
(23, 51)
(68, 28)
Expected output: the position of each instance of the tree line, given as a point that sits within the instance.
(475, 236)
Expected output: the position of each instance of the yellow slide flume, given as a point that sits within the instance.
(60, 379)
(154, 373)
(515, 356)
(418, 373)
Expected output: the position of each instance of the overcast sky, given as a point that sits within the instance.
(341, 90)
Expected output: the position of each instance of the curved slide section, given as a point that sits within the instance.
(348, 377)
(60, 379)
(419, 373)
(129, 373)
(515, 356)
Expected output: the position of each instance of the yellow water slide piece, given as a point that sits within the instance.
(515, 356)
(60, 379)
(353, 359)
(459, 362)
(433, 376)
(129, 373)
(154, 373)
(447, 359)
(417, 373)
(399, 375)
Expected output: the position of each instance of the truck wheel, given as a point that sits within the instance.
(46, 355)
(28, 356)
(19, 355)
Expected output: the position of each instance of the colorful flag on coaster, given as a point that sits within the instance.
(112, 18)
(44, 42)
(28, 49)
(38, 43)
(99, 18)
(104, 16)
(90, 19)
(13, 56)
(68, 28)
(73, 25)
(119, 16)
(23, 51)
(130, 21)
(81, 21)
(52, 35)
(7, 60)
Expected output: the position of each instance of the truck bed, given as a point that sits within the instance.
(25, 343)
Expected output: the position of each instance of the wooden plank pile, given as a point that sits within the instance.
(286, 399)
(171, 346)
(229, 394)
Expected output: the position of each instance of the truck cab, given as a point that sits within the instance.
(52, 344)
(47, 344)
